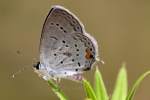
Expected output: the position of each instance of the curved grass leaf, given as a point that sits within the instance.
(57, 90)
(136, 85)
(120, 91)
(100, 89)
(89, 90)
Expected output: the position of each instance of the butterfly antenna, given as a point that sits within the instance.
(99, 62)
(18, 72)
(23, 69)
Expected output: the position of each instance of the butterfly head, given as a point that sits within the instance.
(36, 66)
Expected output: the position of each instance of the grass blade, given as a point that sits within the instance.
(120, 91)
(89, 90)
(100, 89)
(136, 85)
(57, 90)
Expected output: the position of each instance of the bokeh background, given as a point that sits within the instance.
(122, 29)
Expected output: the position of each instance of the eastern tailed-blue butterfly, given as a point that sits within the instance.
(66, 50)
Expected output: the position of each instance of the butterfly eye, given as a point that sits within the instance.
(36, 65)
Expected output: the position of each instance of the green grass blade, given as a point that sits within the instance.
(57, 90)
(120, 91)
(136, 85)
(100, 89)
(89, 90)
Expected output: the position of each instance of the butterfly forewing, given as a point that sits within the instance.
(61, 16)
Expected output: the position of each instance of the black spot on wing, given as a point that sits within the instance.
(52, 23)
(68, 54)
(79, 64)
(72, 60)
(63, 41)
(87, 69)
(66, 45)
(77, 54)
(61, 62)
(75, 45)
(65, 31)
(57, 24)
(76, 69)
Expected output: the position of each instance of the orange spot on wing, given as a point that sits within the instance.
(88, 54)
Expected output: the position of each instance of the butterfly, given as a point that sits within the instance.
(66, 49)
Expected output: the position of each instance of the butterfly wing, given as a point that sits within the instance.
(60, 15)
(58, 23)
(65, 49)
(80, 53)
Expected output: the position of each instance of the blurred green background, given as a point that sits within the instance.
(122, 29)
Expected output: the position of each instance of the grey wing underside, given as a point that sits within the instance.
(64, 17)
(63, 44)
(58, 26)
